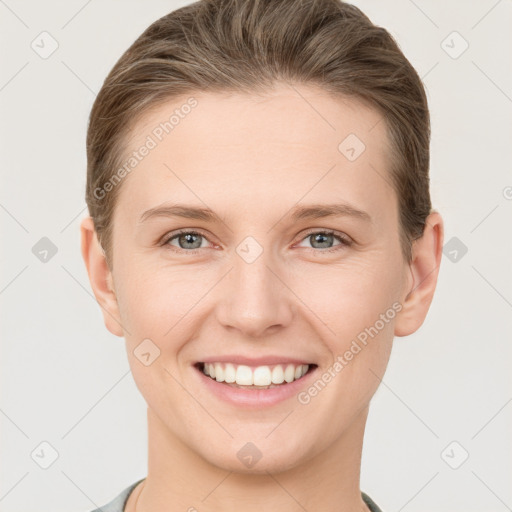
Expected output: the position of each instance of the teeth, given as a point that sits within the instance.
(289, 373)
(219, 373)
(278, 375)
(230, 373)
(243, 375)
(262, 376)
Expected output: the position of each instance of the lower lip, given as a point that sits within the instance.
(255, 398)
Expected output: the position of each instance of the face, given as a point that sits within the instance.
(267, 278)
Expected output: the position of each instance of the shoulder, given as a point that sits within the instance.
(118, 503)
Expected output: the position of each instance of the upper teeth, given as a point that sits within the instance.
(259, 376)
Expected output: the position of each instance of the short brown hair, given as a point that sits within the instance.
(247, 46)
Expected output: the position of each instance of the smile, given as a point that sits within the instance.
(260, 377)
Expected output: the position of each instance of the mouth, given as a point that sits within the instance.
(255, 377)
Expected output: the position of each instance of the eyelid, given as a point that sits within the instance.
(348, 240)
(173, 234)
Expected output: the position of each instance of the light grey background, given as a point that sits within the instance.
(65, 378)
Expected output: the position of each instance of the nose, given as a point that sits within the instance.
(255, 298)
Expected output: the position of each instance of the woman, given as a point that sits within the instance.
(260, 229)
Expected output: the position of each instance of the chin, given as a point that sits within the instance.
(255, 458)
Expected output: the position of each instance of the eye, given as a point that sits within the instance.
(188, 241)
(192, 241)
(323, 240)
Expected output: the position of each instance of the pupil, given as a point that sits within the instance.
(189, 239)
(320, 236)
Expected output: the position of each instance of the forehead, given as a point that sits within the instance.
(252, 152)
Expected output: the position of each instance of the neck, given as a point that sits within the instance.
(180, 480)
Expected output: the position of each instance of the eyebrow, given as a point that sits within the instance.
(313, 211)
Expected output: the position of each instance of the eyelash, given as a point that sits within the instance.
(345, 241)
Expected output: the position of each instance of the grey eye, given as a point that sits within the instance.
(321, 239)
(188, 240)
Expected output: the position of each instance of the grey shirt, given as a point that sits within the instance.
(119, 502)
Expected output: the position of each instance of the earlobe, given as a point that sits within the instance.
(424, 271)
(100, 276)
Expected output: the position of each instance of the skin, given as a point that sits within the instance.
(251, 159)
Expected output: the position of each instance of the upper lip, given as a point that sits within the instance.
(255, 361)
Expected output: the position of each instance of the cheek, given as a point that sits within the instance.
(354, 305)
(348, 296)
(155, 305)
(152, 300)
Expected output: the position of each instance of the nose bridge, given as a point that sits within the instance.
(254, 298)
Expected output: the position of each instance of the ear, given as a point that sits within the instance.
(421, 284)
(100, 276)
